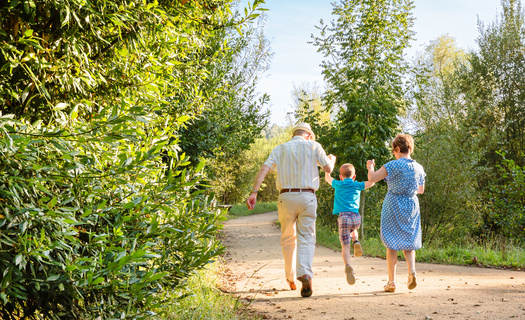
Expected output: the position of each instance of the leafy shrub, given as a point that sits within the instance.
(93, 224)
(507, 217)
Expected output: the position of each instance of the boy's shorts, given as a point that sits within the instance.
(348, 222)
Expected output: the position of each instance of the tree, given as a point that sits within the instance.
(493, 85)
(494, 96)
(232, 85)
(450, 205)
(364, 70)
(307, 101)
(234, 178)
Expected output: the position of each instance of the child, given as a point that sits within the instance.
(346, 206)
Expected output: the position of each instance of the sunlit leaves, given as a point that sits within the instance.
(101, 212)
(364, 68)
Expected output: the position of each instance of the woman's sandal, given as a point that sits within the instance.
(390, 287)
(412, 283)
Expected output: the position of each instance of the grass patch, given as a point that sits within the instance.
(488, 254)
(240, 210)
(328, 238)
(206, 302)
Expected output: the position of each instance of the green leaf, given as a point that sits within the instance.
(53, 277)
(60, 106)
(200, 166)
(97, 281)
(182, 119)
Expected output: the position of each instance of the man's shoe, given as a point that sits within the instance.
(411, 284)
(306, 290)
(357, 249)
(350, 278)
(291, 284)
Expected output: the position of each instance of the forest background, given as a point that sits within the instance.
(123, 124)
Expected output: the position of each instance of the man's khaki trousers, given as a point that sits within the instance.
(297, 214)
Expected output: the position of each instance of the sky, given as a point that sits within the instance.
(290, 23)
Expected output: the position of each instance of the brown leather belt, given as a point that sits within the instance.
(297, 190)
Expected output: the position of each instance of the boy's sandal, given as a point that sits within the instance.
(350, 277)
(390, 287)
(357, 249)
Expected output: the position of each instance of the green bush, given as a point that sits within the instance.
(100, 213)
(91, 227)
(507, 217)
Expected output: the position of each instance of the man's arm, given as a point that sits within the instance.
(331, 163)
(252, 199)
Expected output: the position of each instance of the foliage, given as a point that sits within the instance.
(467, 108)
(308, 99)
(493, 94)
(240, 210)
(74, 55)
(205, 301)
(234, 175)
(493, 88)
(450, 206)
(91, 226)
(364, 68)
(101, 213)
(232, 85)
(490, 253)
(507, 216)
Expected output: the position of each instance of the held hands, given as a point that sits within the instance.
(370, 164)
(332, 159)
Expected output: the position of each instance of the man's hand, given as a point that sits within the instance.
(252, 199)
(330, 166)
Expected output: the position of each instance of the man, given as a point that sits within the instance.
(296, 162)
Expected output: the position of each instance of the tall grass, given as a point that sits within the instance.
(240, 210)
(490, 253)
(205, 301)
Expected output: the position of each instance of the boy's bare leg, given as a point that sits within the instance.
(345, 250)
(358, 251)
(349, 271)
(355, 235)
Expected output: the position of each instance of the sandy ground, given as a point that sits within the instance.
(254, 272)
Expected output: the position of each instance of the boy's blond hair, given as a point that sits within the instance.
(347, 170)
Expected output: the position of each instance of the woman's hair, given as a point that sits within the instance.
(347, 170)
(404, 142)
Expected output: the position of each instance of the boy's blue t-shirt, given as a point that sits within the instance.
(347, 195)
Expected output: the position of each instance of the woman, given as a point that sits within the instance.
(400, 217)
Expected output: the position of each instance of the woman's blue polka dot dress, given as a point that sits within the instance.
(400, 217)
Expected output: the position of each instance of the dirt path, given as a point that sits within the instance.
(254, 271)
